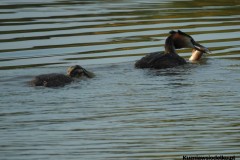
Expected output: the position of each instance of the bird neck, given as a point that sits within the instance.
(169, 46)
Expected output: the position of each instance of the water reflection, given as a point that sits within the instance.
(65, 30)
(122, 113)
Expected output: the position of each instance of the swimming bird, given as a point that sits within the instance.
(169, 58)
(59, 80)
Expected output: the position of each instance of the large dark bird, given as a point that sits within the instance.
(170, 58)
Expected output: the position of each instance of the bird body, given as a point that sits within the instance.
(59, 80)
(51, 80)
(160, 60)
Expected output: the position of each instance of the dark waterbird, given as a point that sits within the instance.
(59, 80)
(170, 58)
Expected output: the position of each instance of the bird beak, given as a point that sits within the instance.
(88, 73)
(201, 48)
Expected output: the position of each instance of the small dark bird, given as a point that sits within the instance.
(59, 80)
(169, 58)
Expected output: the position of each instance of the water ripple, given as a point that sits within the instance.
(122, 113)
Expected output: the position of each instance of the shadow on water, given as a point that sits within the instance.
(124, 112)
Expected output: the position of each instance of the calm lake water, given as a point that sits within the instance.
(122, 113)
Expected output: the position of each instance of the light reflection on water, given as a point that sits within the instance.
(122, 113)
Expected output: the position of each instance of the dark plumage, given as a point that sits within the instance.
(160, 60)
(170, 58)
(52, 80)
(59, 80)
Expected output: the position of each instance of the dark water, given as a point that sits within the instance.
(122, 113)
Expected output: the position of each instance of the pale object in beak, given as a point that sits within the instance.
(196, 55)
